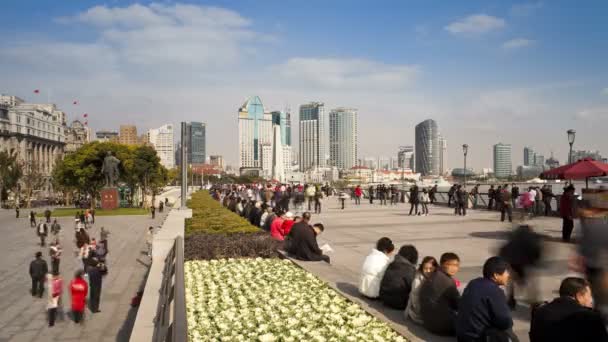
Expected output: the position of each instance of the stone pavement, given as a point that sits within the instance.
(23, 318)
(353, 232)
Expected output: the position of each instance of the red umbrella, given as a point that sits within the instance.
(582, 169)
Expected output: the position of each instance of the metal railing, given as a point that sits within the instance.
(170, 321)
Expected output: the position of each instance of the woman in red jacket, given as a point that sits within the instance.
(79, 290)
(287, 224)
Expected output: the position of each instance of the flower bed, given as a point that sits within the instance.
(236, 245)
(209, 216)
(271, 300)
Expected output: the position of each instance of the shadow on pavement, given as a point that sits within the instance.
(124, 333)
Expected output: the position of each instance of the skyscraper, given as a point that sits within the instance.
(313, 136)
(427, 148)
(502, 160)
(443, 150)
(529, 156)
(128, 135)
(196, 145)
(283, 119)
(343, 137)
(255, 130)
(162, 140)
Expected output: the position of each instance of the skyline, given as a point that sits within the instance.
(486, 72)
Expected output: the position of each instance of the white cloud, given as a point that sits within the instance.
(593, 114)
(476, 24)
(524, 10)
(517, 43)
(337, 73)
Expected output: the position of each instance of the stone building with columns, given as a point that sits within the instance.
(35, 132)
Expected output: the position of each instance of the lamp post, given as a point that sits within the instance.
(571, 135)
(465, 150)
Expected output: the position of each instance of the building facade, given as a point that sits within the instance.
(343, 138)
(313, 136)
(196, 142)
(255, 131)
(502, 160)
(283, 120)
(128, 135)
(76, 135)
(405, 157)
(107, 136)
(443, 155)
(35, 133)
(162, 140)
(529, 156)
(427, 148)
(581, 154)
(217, 161)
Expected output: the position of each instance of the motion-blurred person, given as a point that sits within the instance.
(567, 210)
(42, 230)
(38, 270)
(79, 290)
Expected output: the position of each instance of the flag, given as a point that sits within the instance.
(86, 123)
(85, 115)
(75, 102)
(36, 91)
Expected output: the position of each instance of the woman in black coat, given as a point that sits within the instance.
(398, 278)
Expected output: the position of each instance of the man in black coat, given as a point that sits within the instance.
(568, 317)
(302, 242)
(38, 271)
(514, 194)
(483, 313)
(414, 199)
(397, 282)
(94, 284)
(451, 193)
(491, 195)
(439, 297)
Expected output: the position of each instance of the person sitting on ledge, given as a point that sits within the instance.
(373, 268)
(398, 278)
(302, 242)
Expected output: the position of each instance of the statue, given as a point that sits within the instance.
(110, 169)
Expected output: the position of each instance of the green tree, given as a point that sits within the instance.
(10, 173)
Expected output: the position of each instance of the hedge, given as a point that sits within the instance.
(209, 216)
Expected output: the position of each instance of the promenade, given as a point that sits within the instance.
(353, 232)
(23, 317)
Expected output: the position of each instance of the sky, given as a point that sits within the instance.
(518, 72)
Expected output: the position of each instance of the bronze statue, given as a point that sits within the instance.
(110, 169)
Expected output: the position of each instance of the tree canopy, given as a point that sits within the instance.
(10, 173)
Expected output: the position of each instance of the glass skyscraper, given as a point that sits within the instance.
(283, 119)
(343, 137)
(427, 148)
(196, 144)
(255, 131)
(313, 136)
(502, 160)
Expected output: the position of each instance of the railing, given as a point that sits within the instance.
(170, 320)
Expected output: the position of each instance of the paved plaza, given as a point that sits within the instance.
(23, 318)
(352, 234)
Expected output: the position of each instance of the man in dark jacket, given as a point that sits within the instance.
(547, 195)
(302, 242)
(439, 297)
(567, 211)
(451, 193)
(38, 271)
(462, 201)
(397, 282)
(432, 194)
(506, 205)
(569, 317)
(414, 199)
(514, 194)
(483, 312)
(491, 194)
(94, 284)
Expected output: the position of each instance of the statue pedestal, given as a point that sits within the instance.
(109, 198)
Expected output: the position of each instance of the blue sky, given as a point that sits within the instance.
(517, 72)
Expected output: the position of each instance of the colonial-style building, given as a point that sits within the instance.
(76, 135)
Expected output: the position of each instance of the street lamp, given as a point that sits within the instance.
(465, 150)
(571, 135)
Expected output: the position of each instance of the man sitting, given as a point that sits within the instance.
(439, 297)
(483, 313)
(568, 317)
(374, 266)
(399, 277)
(302, 242)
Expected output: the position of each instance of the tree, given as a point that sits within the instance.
(33, 179)
(10, 173)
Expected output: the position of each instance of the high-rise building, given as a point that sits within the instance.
(539, 160)
(552, 163)
(343, 137)
(313, 136)
(502, 160)
(427, 148)
(405, 157)
(255, 130)
(384, 163)
(443, 154)
(581, 154)
(128, 135)
(162, 140)
(196, 142)
(529, 156)
(283, 120)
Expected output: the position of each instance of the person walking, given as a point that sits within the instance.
(78, 290)
(547, 196)
(358, 194)
(432, 194)
(506, 206)
(514, 194)
(42, 232)
(451, 193)
(491, 194)
(318, 198)
(371, 194)
(153, 211)
(32, 219)
(150, 239)
(55, 253)
(567, 211)
(343, 197)
(414, 199)
(424, 202)
(462, 201)
(55, 227)
(475, 194)
(54, 289)
(103, 238)
(47, 216)
(17, 211)
(497, 202)
(310, 194)
(38, 271)
(94, 284)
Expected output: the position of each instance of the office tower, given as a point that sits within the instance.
(582, 154)
(128, 135)
(405, 157)
(427, 148)
(162, 140)
(278, 170)
(255, 130)
(196, 142)
(502, 160)
(343, 137)
(539, 160)
(443, 154)
(529, 156)
(283, 120)
(313, 136)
